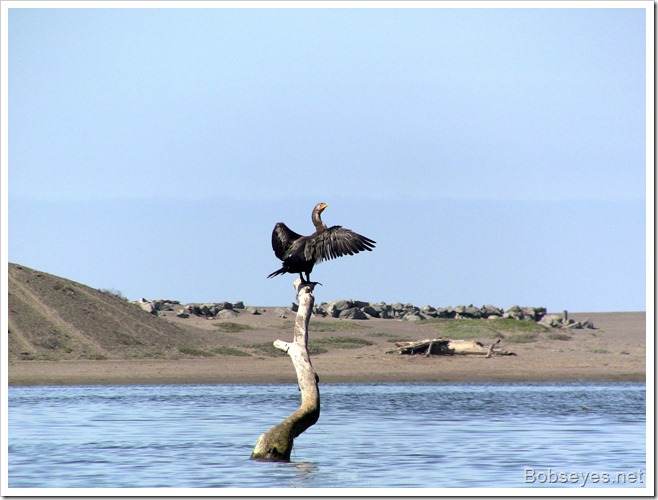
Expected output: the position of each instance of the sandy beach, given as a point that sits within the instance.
(614, 351)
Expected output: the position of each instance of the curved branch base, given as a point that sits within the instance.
(276, 444)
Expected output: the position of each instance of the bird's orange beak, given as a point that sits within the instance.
(323, 206)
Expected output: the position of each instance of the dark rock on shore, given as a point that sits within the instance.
(361, 310)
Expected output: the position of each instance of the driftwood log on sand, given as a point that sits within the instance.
(442, 346)
(276, 444)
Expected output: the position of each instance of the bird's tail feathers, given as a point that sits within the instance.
(277, 272)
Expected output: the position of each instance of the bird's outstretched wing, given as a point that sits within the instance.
(336, 241)
(282, 238)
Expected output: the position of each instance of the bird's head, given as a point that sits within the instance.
(315, 216)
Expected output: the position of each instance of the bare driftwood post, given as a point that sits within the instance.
(276, 444)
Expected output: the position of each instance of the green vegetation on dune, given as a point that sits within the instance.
(147, 355)
(229, 351)
(558, 336)
(521, 338)
(515, 325)
(325, 326)
(94, 357)
(390, 337)
(400, 339)
(465, 329)
(31, 356)
(315, 346)
(231, 327)
(266, 349)
(340, 342)
(314, 349)
(381, 334)
(485, 328)
(195, 352)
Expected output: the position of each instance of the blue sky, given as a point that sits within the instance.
(496, 155)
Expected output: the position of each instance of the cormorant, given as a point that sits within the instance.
(300, 253)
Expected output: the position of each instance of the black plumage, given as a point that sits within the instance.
(300, 253)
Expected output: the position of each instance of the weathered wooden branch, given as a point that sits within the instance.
(276, 444)
(429, 349)
(448, 347)
(491, 348)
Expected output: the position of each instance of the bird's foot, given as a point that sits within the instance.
(304, 282)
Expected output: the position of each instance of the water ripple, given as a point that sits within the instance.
(368, 435)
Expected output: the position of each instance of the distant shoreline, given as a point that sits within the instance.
(417, 369)
(53, 377)
(65, 333)
(613, 352)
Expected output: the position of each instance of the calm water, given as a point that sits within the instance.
(368, 435)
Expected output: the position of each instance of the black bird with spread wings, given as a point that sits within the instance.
(300, 253)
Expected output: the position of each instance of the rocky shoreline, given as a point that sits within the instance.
(361, 310)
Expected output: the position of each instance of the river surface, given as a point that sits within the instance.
(369, 436)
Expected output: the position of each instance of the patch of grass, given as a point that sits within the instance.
(31, 356)
(285, 325)
(315, 346)
(190, 351)
(380, 334)
(521, 338)
(464, 329)
(390, 337)
(147, 355)
(325, 326)
(599, 351)
(515, 325)
(558, 336)
(336, 326)
(316, 349)
(231, 327)
(229, 351)
(341, 342)
(94, 356)
(485, 328)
